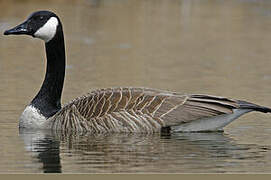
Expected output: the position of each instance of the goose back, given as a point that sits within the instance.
(137, 110)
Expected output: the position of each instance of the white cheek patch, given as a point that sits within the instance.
(48, 30)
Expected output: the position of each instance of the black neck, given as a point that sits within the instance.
(48, 99)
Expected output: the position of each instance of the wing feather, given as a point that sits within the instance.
(138, 110)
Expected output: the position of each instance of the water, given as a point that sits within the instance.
(219, 47)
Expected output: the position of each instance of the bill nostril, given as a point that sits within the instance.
(30, 30)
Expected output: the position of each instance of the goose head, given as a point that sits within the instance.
(41, 24)
(45, 25)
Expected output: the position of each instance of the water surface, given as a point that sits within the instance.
(219, 47)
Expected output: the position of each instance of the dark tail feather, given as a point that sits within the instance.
(255, 107)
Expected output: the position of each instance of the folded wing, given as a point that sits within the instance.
(138, 110)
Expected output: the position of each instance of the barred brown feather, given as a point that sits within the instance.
(137, 110)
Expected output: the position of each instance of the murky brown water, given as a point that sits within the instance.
(219, 47)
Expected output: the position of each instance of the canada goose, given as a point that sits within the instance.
(116, 109)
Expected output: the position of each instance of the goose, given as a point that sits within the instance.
(119, 109)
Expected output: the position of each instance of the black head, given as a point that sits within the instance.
(40, 24)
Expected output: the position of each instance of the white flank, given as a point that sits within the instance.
(48, 30)
(210, 124)
(31, 118)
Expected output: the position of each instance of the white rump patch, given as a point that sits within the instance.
(48, 30)
(210, 124)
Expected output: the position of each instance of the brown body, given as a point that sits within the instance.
(140, 110)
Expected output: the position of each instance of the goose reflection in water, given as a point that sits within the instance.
(44, 146)
(119, 153)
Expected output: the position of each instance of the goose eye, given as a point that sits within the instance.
(41, 17)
